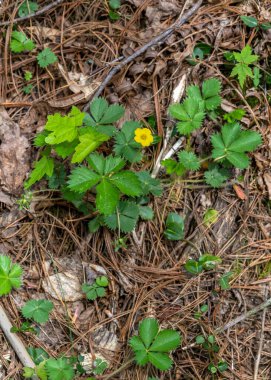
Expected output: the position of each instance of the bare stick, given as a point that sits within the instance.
(244, 316)
(38, 13)
(161, 37)
(14, 340)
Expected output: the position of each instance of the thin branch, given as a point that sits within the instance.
(38, 13)
(162, 37)
(15, 341)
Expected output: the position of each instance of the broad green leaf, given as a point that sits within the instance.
(59, 369)
(125, 145)
(210, 92)
(45, 166)
(136, 343)
(124, 218)
(209, 262)
(265, 26)
(112, 114)
(229, 133)
(239, 160)
(10, 275)
(174, 227)
(224, 281)
(193, 266)
(38, 310)
(141, 357)
(82, 179)
(97, 162)
(166, 340)
(173, 166)
(98, 107)
(66, 148)
(127, 182)
(160, 360)
(114, 4)
(28, 7)
(20, 43)
(107, 197)
(246, 142)
(88, 143)
(148, 329)
(250, 21)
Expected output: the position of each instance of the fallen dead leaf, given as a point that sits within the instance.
(63, 286)
(267, 180)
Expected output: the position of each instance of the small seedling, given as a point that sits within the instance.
(28, 7)
(20, 43)
(205, 262)
(114, 5)
(174, 227)
(28, 75)
(224, 281)
(203, 310)
(10, 275)
(208, 343)
(153, 346)
(252, 22)
(46, 57)
(97, 289)
(38, 310)
(27, 89)
(220, 367)
(236, 115)
(23, 328)
(37, 354)
(210, 217)
(242, 68)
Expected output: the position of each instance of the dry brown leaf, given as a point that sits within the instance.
(63, 286)
(44, 32)
(14, 155)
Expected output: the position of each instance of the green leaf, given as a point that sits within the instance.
(200, 339)
(160, 360)
(125, 145)
(124, 218)
(222, 366)
(141, 357)
(94, 224)
(246, 142)
(149, 185)
(148, 329)
(239, 160)
(146, 212)
(127, 182)
(46, 57)
(224, 281)
(114, 4)
(104, 114)
(113, 164)
(63, 128)
(82, 179)
(98, 108)
(45, 166)
(41, 371)
(237, 114)
(58, 179)
(210, 217)
(38, 310)
(88, 143)
(27, 89)
(59, 369)
(28, 372)
(215, 177)
(10, 275)
(65, 149)
(102, 281)
(107, 197)
(256, 76)
(100, 366)
(210, 90)
(189, 160)
(38, 354)
(173, 166)
(20, 43)
(166, 340)
(245, 56)
(174, 227)
(190, 113)
(136, 343)
(27, 8)
(265, 26)
(193, 266)
(242, 69)
(97, 162)
(249, 21)
(209, 262)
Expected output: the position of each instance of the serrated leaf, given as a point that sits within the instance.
(239, 160)
(112, 114)
(88, 143)
(210, 91)
(246, 142)
(245, 56)
(250, 21)
(27, 8)
(148, 329)
(242, 71)
(20, 43)
(39, 140)
(174, 227)
(59, 369)
(190, 113)
(38, 310)
(189, 160)
(210, 217)
(146, 212)
(136, 343)
(46, 57)
(149, 185)
(173, 166)
(82, 179)
(215, 177)
(41, 371)
(113, 164)
(141, 357)
(98, 108)
(160, 360)
(107, 197)
(66, 148)
(10, 275)
(125, 145)
(127, 182)
(45, 166)
(166, 340)
(124, 218)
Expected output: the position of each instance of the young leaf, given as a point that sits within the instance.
(242, 69)
(237, 114)
(28, 7)
(38, 310)
(210, 93)
(45, 166)
(209, 262)
(193, 267)
(10, 275)
(27, 89)
(189, 160)
(249, 21)
(173, 167)
(175, 227)
(97, 289)
(125, 144)
(190, 113)
(88, 143)
(210, 217)
(124, 218)
(20, 43)
(37, 354)
(28, 75)
(46, 57)
(59, 369)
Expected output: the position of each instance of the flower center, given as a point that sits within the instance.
(144, 137)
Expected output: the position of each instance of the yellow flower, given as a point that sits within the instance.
(143, 136)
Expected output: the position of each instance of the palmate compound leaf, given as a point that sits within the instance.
(63, 128)
(10, 275)
(38, 310)
(28, 7)
(103, 114)
(166, 340)
(210, 94)
(45, 166)
(189, 160)
(232, 143)
(46, 57)
(127, 182)
(242, 69)
(124, 218)
(190, 113)
(216, 176)
(59, 369)
(125, 145)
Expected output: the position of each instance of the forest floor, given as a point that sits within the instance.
(147, 276)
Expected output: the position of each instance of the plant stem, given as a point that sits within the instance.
(122, 367)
